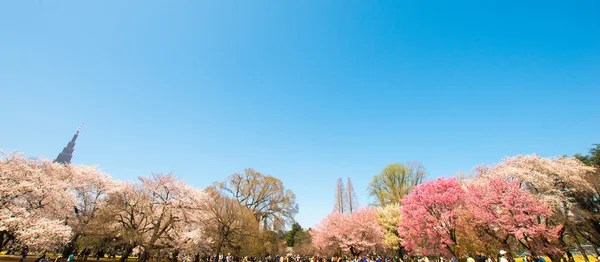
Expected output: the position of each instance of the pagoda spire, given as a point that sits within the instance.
(65, 156)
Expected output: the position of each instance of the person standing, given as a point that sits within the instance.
(23, 255)
(502, 257)
(42, 257)
(480, 258)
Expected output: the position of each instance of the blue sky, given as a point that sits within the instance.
(307, 91)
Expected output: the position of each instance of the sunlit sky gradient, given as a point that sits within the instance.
(307, 91)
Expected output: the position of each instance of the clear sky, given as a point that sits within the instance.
(307, 91)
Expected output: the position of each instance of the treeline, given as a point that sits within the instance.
(50, 206)
(545, 206)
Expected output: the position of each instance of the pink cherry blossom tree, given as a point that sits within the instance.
(552, 181)
(430, 217)
(325, 235)
(356, 232)
(505, 211)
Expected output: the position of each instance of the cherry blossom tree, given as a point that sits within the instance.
(34, 202)
(356, 232)
(151, 215)
(505, 211)
(326, 234)
(40, 233)
(90, 187)
(430, 217)
(193, 241)
(553, 181)
(126, 218)
(173, 203)
(588, 203)
(190, 237)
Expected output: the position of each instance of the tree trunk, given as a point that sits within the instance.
(125, 254)
(582, 250)
(70, 247)
(354, 252)
(197, 257)
(1, 240)
(144, 257)
(219, 246)
(555, 257)
(6, 238)
(174, 255)
(579, 247)
(570, 257)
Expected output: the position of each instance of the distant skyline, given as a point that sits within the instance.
(306, 91)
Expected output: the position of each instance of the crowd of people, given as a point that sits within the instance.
(503, 256)
(298, 258)
(44, 256)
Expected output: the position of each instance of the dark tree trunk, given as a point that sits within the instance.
(144, 257)
(555, 257)
(1, 240)
(174, 256)
(219, 246)
(126, 252)
(582, 250)
(579, 247)
(354, 252)
(570, 256)
(401, 252)
(70, 247)
(5, 238)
